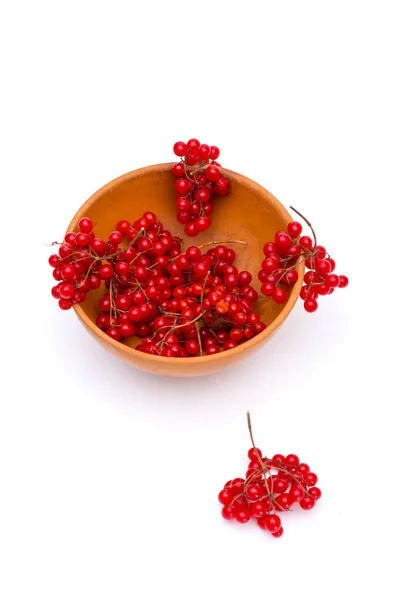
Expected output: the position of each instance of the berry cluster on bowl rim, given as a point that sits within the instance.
(278, 273)
(199, 180)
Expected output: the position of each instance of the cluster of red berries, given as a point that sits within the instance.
(271, 485)
(278, 274)
(157, 292)
(199, 179)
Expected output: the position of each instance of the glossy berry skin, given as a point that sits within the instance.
(315, 492)
(213, 173)
(310, 305)
(279, 295)
(278, 533)
(228, 512)
(255, 492)
(311, 479)
(292, 460)
(182, 186)
(272, 523)
(180, 148)
(307, 503)
(294, 229)
(225, 496)
(242, 515)
(254, 454)
(85, 225)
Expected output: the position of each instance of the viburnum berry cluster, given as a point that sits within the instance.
(288, 249)
(199, 180)
(180, 303)
(271, 486)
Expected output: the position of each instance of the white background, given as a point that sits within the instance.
(109, 476)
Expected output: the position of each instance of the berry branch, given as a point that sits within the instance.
(178, 303)
(282, 256)
(271, 486)
(199, 181)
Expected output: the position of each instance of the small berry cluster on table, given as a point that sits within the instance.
(272, 485)
(199, 181)
(194, 302)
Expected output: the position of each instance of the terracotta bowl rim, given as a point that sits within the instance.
(257, 340)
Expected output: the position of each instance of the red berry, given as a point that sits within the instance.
(213, 173)
(204, 152)
(255, 492)
(123, 226)
(311, 479)
(272, 523)
(310, 305)
(242, 514)
(278, 533)
(67, 271)
(53, 261)
(193, 144)
(85, 225)
(82, 239)
(182, 186)
(106, 271)
(180, 148)
(178, 169)
(315, 493)
(67, 291)
(322, 267)
(306, 242)
(283, 241)
(294, 229)
(258, 509)
(279, 295)
(126, 330)
(214, 152)
(303, 468)
(332, 280)
(64, 304)
(292, 460)
(191, 229)
(228, 512)
(307, 502)
(283, 501)
(115, 238)
(344, 281)
(296, 493)
(114, 333)
(254, 454)
(202, 223)
(320, 252)
(226, 496)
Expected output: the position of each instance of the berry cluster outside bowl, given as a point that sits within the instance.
(249, 213)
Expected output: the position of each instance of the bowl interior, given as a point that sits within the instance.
(249, 213)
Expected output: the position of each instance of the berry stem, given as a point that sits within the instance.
(199, 339)
(223, 242)
(306, 221)
(216, 243)
(259, 458)
(133, 240)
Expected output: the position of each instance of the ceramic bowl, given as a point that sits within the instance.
(248, 213)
